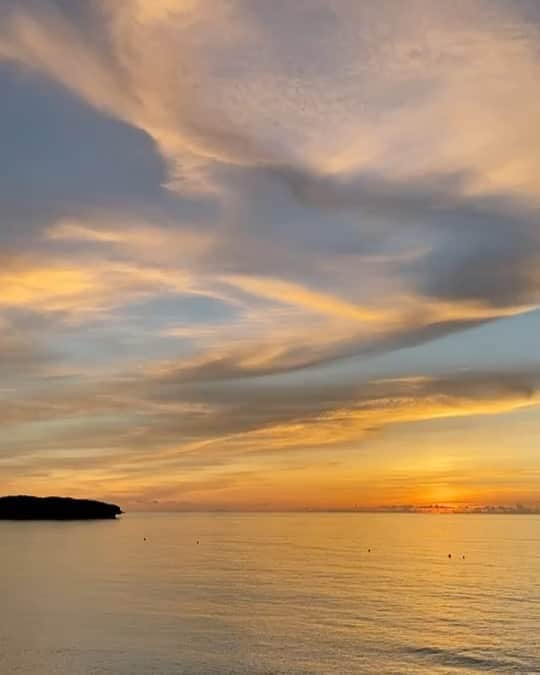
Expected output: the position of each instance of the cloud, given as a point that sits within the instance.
(135, 67)
(77, 290)
(214, 85)
(197, 437)
(213, 206)
(22, 353)
(159, 410)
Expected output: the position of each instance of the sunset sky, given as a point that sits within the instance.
(270, 254)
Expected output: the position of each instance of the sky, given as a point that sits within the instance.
(270, 255)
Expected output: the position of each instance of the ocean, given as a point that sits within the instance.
(271, 594)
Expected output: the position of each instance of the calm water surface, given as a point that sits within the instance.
(271, 594)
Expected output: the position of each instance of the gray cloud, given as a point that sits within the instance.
(483, 248)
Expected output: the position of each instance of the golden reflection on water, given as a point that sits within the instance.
(271, 593)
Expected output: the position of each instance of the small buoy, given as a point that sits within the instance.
(144, 538)
(197, 541)
(463, 557)
(369, 550)
(449, 555)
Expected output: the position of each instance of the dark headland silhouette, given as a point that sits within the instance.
(23, 507)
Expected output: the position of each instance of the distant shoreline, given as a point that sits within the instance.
(337, 511)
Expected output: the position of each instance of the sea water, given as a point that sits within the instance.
(269, 594)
